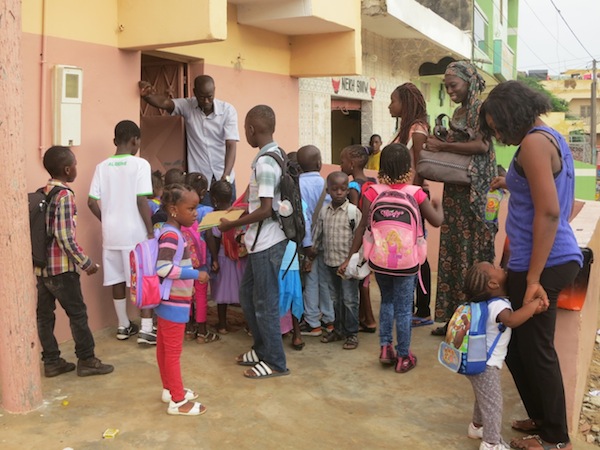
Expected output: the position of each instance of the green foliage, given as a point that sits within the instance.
(558, 105)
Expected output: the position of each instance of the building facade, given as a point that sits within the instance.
(327, 67)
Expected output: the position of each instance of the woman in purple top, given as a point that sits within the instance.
(544, 255)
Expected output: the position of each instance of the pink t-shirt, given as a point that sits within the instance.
(371, 194)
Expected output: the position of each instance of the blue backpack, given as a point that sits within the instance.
(464, 350)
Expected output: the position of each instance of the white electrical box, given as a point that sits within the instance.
(68, 88)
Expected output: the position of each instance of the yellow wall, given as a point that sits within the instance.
(322, 54)
(258, 49)
(93, 21)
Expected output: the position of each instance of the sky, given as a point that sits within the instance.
(545, 42)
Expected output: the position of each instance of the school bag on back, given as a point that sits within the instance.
(195, 244)
(464, 350)
(394, 243)
(41, 236)
(290, 215)
(147, 290)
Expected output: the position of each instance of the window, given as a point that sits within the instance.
(480, 30)
(585, 111)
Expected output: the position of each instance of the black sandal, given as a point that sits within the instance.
(440, 331)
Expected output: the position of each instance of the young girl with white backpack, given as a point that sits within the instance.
(395, 247)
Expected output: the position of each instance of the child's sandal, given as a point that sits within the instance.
(207, 338)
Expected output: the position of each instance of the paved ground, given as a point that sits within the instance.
(334, 398)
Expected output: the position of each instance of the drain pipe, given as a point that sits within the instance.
(43, 84)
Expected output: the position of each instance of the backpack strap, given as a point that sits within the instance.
(281, 161)
(51, 209)
(352, 215)
(501, 329)
(319, 205)
(166, 283)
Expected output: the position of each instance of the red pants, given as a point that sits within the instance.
(169, 343)
(200, 301)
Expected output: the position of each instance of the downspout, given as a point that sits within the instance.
(43, 84)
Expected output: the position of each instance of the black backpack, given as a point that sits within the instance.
(40, 236)
(289, 186)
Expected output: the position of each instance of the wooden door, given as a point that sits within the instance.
(163, 135)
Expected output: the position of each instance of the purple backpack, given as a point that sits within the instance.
(147, 289)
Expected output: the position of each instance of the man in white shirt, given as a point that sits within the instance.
(211, 127)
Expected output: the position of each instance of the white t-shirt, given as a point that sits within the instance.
(264, 182)
(118, 182)
(491, 331)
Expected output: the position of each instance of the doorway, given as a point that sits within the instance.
(163, 135)
(345, 126)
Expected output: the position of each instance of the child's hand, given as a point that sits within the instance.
(543, 305)
(225, 225)
(215, 266)
(498, 183)
(307, 265)
(342, 269)
(203, 277)
(92, 269)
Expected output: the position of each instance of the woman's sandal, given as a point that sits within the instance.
(207, 338)
(331, 337)
(197, 409)
(351, 343)
(525, 426)
(189, 395)
(534, 442)
(297, 345)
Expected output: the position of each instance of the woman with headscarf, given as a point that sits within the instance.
(465, 236)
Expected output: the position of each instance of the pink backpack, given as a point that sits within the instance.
(147, 290)
(196, 245)
(394, 243)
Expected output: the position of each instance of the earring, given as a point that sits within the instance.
(173, 215)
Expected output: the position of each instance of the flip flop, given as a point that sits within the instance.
(249, 358)
(363, 328)
(539, 443)
(525, 426)
(420, 322)
(262, 370)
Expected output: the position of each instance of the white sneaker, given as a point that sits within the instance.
(473, 432)
(189, 395)
(500, 446)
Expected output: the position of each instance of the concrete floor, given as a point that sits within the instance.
(334, 398)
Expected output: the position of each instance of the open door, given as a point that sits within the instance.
(163, 135)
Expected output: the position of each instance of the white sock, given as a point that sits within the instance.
(121, 310)
(147, 324)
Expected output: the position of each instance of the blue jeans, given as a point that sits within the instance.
(317, 299)
(65, 288)
(344, 294)
(397, 295)
(259, 297)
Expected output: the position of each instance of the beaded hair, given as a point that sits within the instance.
(395, 165)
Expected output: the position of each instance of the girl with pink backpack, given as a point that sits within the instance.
(395, 247)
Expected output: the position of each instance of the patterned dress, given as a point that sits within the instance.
(465, 236)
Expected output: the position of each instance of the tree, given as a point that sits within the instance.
(557, 104)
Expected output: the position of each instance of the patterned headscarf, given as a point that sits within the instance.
(468, 72)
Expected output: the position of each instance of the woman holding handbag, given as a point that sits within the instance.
(408, 104)
(465, 236)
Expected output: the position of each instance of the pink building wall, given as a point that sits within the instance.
(109, 95)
